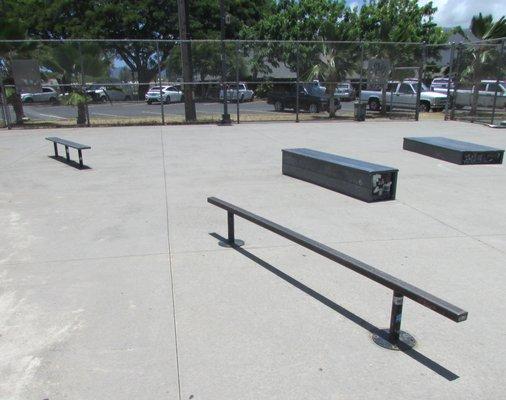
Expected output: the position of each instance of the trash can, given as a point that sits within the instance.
(359, 110)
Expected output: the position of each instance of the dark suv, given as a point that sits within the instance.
(308, 102)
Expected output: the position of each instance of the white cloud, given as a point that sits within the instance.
(459, 12)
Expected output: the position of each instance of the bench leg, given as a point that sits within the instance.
(79, 151)
(67, 153)
(55, 149)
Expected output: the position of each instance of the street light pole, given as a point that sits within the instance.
(225, 118)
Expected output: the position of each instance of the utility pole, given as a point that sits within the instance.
(186, 61)
(225, 118)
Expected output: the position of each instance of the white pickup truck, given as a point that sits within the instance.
(403, 95)
(464, 97)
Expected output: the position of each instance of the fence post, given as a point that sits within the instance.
(86, 109)
(160, 81)
(450, 78)
(237, 77)
(457, 81)
(5, 106)
(225, 118)
(497, 83)
(361, 72)
(420, 76)
(298, 83)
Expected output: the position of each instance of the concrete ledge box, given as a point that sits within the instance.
(454, 151)
(355, 178)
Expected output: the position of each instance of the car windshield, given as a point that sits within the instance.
(425, 88)
(154, 88)
(94, 87)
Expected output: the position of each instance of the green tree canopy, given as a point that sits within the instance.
(130, 19)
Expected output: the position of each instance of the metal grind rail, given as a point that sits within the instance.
(394, 338)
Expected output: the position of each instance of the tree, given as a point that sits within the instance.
(484, 58)
(401, 21)
(11, 29)
(322, 21)
(307, 20)
(206, 63)
(333, 66)
(116, 20)
(63, 61)
(139, 20)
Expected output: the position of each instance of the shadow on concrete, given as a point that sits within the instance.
(410, 352)
(72, 163)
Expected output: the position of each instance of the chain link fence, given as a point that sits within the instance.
(137, 82)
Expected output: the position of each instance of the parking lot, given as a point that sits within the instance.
(114, 285)
(141, 111)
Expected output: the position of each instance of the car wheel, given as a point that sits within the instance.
(149, 102)
(167, 100)
(128, 98)
(278, 106)
(241, 99)
(103, 99)
(313, 108)
(182, 98)
(252, 98)
(53, 101)
(28, 100)
(374, 105)
(424, 106)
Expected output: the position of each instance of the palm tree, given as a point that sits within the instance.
(332, 67)
(484, 57)
(64, 61)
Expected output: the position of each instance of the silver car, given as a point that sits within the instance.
(48, 94)
(170, 94)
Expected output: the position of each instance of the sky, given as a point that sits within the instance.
(451, 13)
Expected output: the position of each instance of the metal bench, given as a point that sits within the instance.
(454, 151)
(355, 178)
(67, 143)
(392, 338)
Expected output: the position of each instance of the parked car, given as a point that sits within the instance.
(241, 91)
(48, 94)
(441, 84)
(403, 95)
(288, 99)
(345, 91)
(170, 94)
(464, 96)
(103, 93)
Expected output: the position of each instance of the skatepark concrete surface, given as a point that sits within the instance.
(113, 285)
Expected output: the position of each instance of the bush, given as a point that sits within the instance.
(263, 90)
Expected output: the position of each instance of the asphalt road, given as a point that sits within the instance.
(47, 112)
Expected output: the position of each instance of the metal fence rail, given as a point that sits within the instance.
(399, 287)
